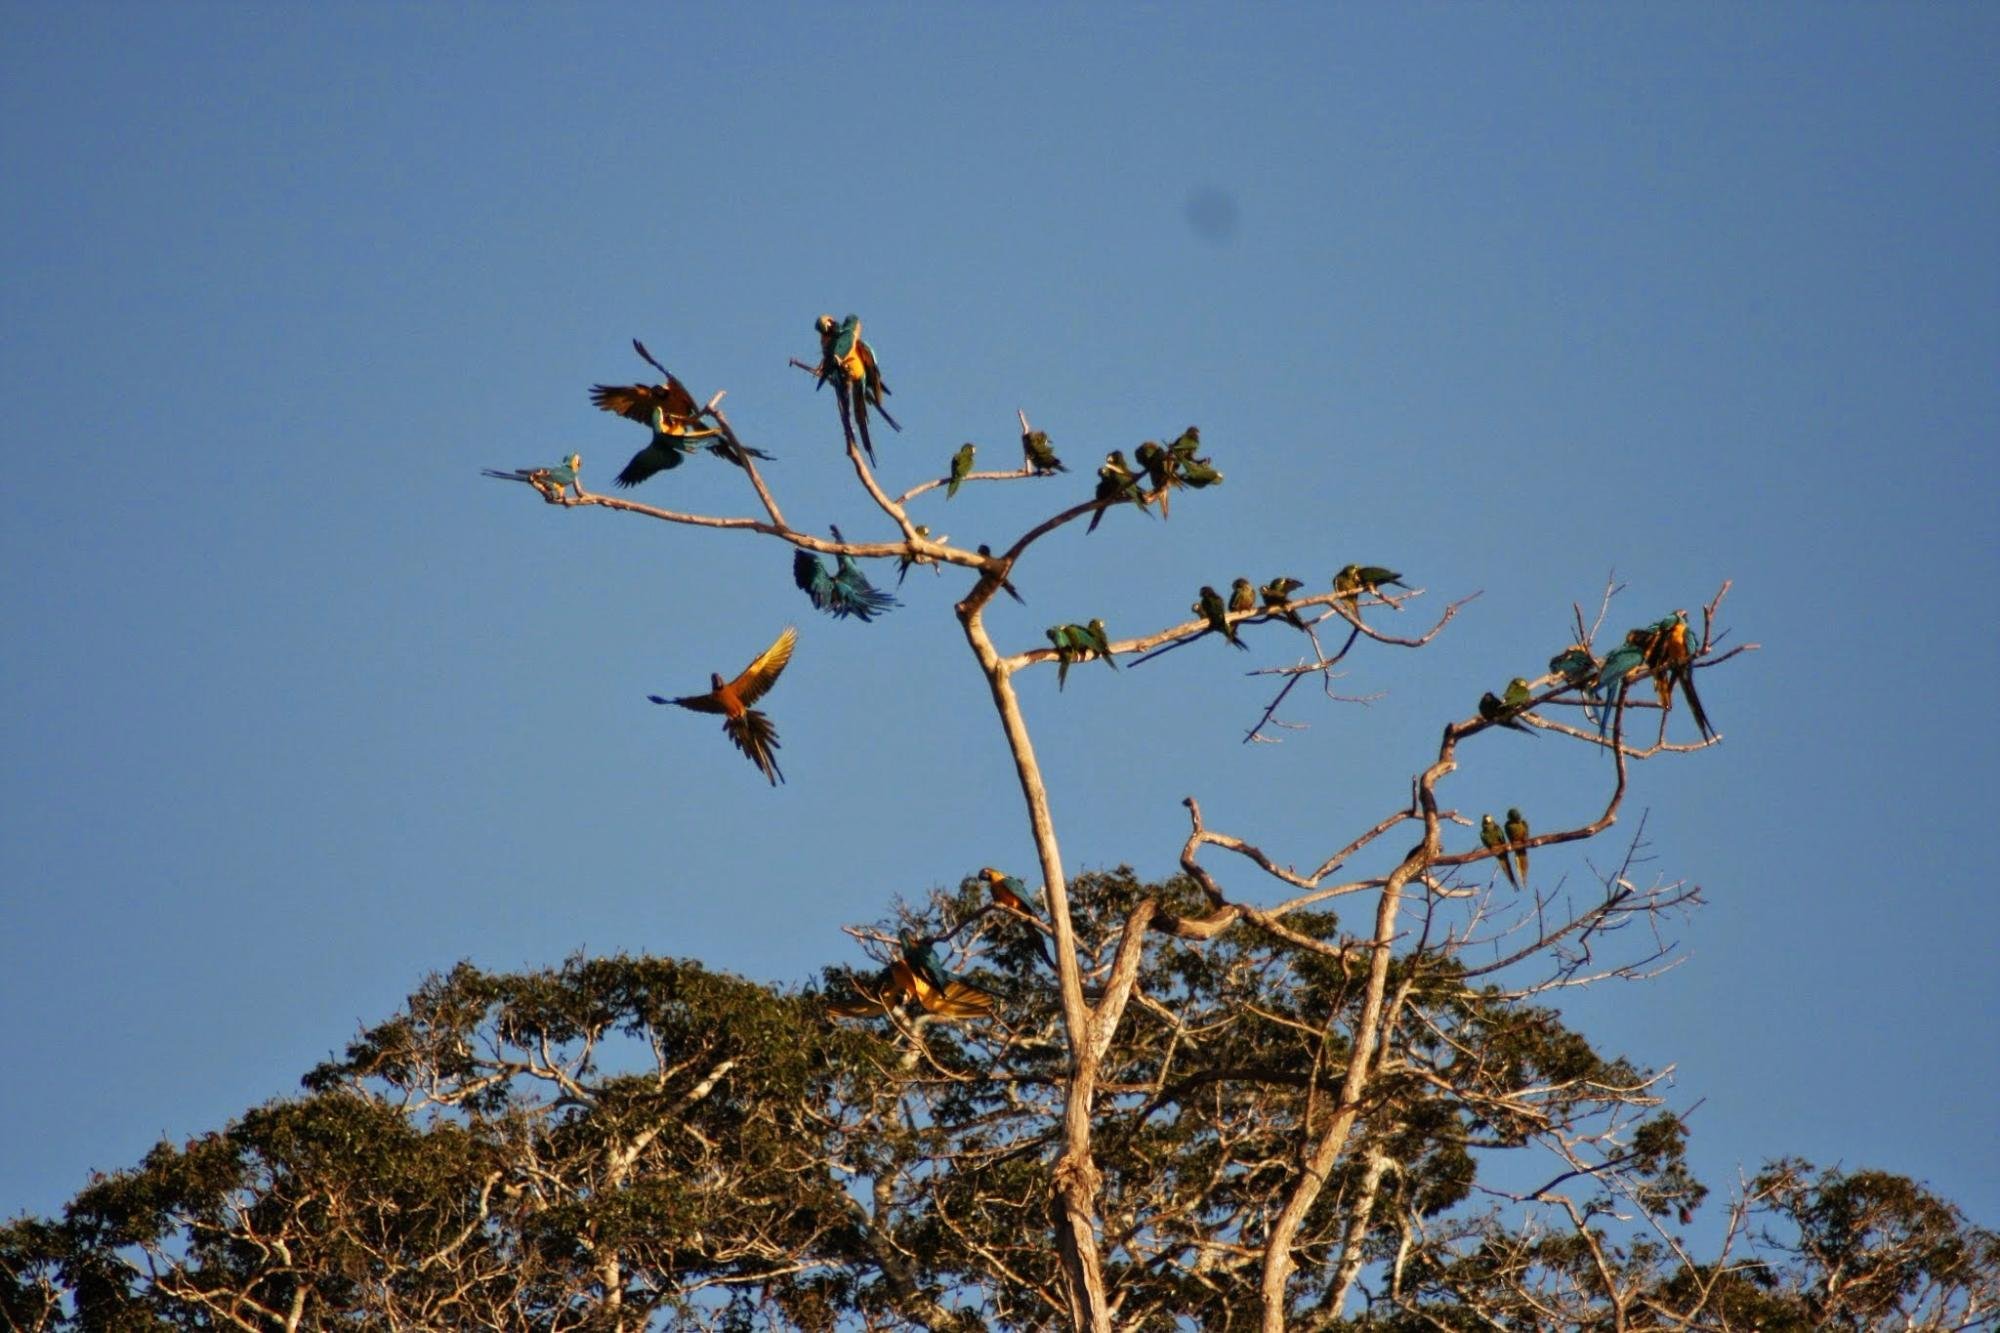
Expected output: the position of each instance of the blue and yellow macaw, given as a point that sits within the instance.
(848, 360)
(937, 990)
(751, 730)
(549, 482)
(1615, 674)
(1670, 656)
(844, 592)
(1012, 895)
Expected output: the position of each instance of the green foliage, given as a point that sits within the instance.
(645, 1142)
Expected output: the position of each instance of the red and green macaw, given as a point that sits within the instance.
(751, 730)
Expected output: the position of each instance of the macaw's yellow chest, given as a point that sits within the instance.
(853, 367)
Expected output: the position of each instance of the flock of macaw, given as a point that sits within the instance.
(1663, 650)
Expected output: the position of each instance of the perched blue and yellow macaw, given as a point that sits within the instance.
(751, 730)
(1210, 607)
(848, 360)
(1670, 656)
(1616, 672)
(549, 482)
(1491, 836)
(844, 592)
(1011, 894)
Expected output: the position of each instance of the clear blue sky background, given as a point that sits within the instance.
(302, 708)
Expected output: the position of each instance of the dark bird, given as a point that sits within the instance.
(1116, 482)
(847, 360)
(1158, 465)
(844, 592)
(1011, 894)
(1495, 710)
(1041, 458)
(1517, 833)
(1242, 596)
(961, 467)
(751, 730)
(549, 482)
(1277, 595)
(904, 562)
(1491, 836)
(1210, 607)
(667, 450)
(1006, 585)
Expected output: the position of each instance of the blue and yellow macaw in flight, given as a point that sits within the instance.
(849, 362)
(549, 482)
(751, 730)
(844, 592)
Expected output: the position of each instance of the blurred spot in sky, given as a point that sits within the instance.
(1211, 211)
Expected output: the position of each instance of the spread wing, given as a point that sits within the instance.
(637, 401)
(699, 703)
(762, 673)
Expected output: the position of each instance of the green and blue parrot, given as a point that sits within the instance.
(961, 467)
(1517, 833)
(1492, 837)
(549, 482)
(1210, 607)
(844, 592)
(1277, 595)
(1116, 483)
(1041, 457)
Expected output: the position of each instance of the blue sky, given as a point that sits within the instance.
(303, 708)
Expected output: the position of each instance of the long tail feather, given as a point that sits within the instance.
(757, 738)
(1694, 704)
